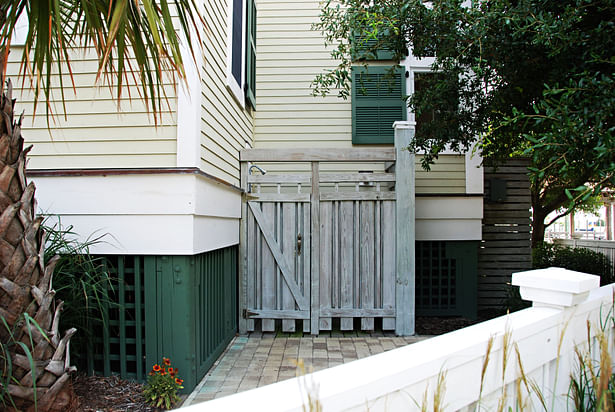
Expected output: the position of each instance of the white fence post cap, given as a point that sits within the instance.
(404, 124)
(555, 286)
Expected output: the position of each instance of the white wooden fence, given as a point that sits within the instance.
(545, 337)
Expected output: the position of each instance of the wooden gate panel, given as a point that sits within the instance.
(327, 253)
(357, 266)
(276, 277)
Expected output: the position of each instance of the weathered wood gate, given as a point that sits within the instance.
(320, 246)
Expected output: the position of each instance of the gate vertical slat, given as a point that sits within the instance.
(289, 239)
(377, 255)
(356, 290)
(388, 261)
(250, 267)
(278, 233)
(335, 267)
(268, 272)
(307, 257)
(315, 259)
(326, 261)
(346, 256)
(258, 268)
(366, 256)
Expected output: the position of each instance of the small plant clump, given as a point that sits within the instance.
(162, 385)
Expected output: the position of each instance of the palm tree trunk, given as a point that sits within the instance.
(26, 284)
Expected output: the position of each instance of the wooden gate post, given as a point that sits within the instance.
(242, 323)
(405, 236)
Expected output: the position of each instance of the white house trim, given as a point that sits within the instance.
(152, 214)
(189, 107)
(449, 218)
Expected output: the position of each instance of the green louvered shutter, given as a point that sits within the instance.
(364, 45)
(377, 102)
(250, 84)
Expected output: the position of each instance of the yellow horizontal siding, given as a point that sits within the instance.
(447, 175)
(226, 127)
(96, 132)
(99, 161)
(289, 56)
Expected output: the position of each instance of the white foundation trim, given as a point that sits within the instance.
(151, 214)
(449, 218)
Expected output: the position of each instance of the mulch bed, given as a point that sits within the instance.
(438, 326)
(109, 394)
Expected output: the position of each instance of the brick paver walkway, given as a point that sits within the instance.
(250, 362)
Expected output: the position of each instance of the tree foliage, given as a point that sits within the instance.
(520, 77)
(135, 42)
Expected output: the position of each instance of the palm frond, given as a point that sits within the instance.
(132, 39)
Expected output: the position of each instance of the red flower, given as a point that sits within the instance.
(166, 361)
(156, 368)
(172, 372)
(179, 381)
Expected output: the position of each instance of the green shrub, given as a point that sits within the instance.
(579, 259)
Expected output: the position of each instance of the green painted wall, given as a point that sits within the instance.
(446, 278)
(180, 307)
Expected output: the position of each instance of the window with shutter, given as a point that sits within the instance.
(378, 100)
(363, 49)
(250, 85)
(241, 75)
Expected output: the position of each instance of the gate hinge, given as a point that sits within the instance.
(247, 314)
(247, 196)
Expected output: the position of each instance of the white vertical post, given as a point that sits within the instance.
(404, 222)
(609, 221)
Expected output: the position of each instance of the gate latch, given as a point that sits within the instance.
(299, 243)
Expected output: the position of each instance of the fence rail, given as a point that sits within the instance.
(407, 378)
